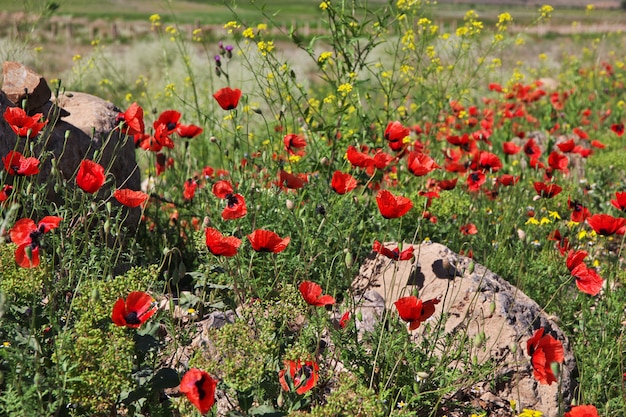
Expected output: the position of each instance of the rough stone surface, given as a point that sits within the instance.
(20, 83)
(474, 302)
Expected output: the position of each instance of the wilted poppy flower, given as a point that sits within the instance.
(312, 294)
(16, 164)
(391, 206)
(587, 279)
(618, 128)
(620, 200)
(547, 190)
(293, 141)
(22, 124)
(133, 120)
(130, 198)
(199, 388)
(359, 159)
(267, 241)
(582, 411)
(90, 176)
(302, 376)
(543, 351)
(27, 235)
(227, 98)
(605, 224)
(342, 182)
(134, 311)
(415, 311)
(469, 229)
(420, 164)
(220, 245)
(189, 131)
(189, 189)
(395, 253)
(343, 321)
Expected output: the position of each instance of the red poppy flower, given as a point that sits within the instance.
(222, 188)
(342, 182)
(134, 311)
(597, 144)
(543, 351)
(567, 146)
(169, 120)
(290, 181)
(293, 141)
(547, 190)
(582, 411)
(90, 176)
(587, 279)
(27, 235)
(420, 164)
(312, 294)
(580, 133)
(558, 162)
(508, 180)
(531, 149)
(469, 229)
(575, 258)
(303, 376)
(199, 388)
(394, 253)
(189, 131)
(620, 200)
(382, 160)
(359, 159)
(415, 311)
(605, 224)
(579, 212)
(618, 128)
(22, 124)
(395, 134)
(267, 241)
(16, 164)
(235, 207)
(5, 193)
(447, 185)
(489, 162)
(391, 206)
(189, 189)
(475, 180)
(228, 98)
(510, 148)
(343, 321)
(130, 198)
(220, 245)
(133, 120)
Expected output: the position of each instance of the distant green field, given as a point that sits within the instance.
(217, 12)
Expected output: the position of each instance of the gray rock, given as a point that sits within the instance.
(477, 303)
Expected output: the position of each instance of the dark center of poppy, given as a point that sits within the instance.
(475, 176)
(232, 200)
(199, 386)
(171, 125)
(132, 318)
(230, 107)
(35, 236)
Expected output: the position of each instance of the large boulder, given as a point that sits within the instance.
(478, 306)
(83, 128)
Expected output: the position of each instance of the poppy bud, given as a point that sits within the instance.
(108, 207)
(556, 369)
(290, 204)
(320, 209)
(213, 139)
(470, 268)
(95, 296)
(349, 260)
(107, 227)
(513, 348)
(492, 308)
(257, 110)
(359, 316)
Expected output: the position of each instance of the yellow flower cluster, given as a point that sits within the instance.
(248, 33)
(265, 47)
(196, 35)
(545, 11)
(155, 20)
(324, 5)
(344, 89)
(324, 56)
(503, 21)
(408, 40)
